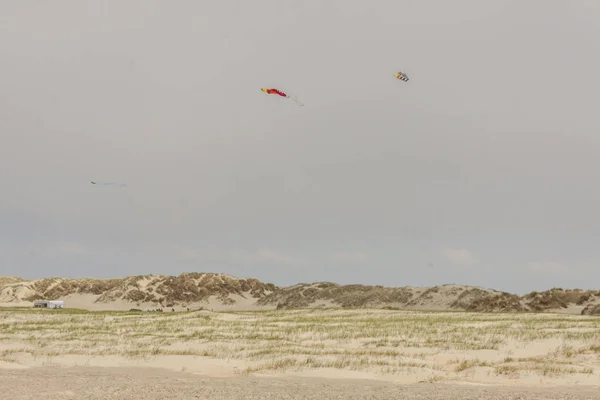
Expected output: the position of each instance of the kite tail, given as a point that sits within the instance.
(110, 183)
(295, 100)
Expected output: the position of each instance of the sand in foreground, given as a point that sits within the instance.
(372, 354)
(46, 383)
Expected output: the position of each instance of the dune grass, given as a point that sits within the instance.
(446, 345)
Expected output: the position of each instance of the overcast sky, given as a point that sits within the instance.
(483, 169)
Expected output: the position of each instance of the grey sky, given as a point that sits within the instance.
(482, 169)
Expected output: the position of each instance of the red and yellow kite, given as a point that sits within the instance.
(282, 94)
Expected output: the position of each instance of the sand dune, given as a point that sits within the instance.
(224, 292)
(191, 290)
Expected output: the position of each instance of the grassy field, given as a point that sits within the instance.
(428, 346)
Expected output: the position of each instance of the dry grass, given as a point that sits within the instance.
(444, 345)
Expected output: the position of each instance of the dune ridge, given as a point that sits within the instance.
(221, 291)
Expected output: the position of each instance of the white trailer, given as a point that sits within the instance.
(49, 304)
(56, 304)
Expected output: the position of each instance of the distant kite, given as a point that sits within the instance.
(402, 76)
(280, 93)
(109, 183)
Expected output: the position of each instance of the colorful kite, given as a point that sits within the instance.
(280, 93)
(402, 76)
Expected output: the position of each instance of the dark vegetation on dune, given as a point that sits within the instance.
(559, 298)
(159, 289)
(300, 296)
(458, 298)
(591, 309)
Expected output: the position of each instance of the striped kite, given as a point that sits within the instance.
(402, 76)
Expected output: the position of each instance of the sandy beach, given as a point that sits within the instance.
(157, 384)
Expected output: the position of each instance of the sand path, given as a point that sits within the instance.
(45, 383)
